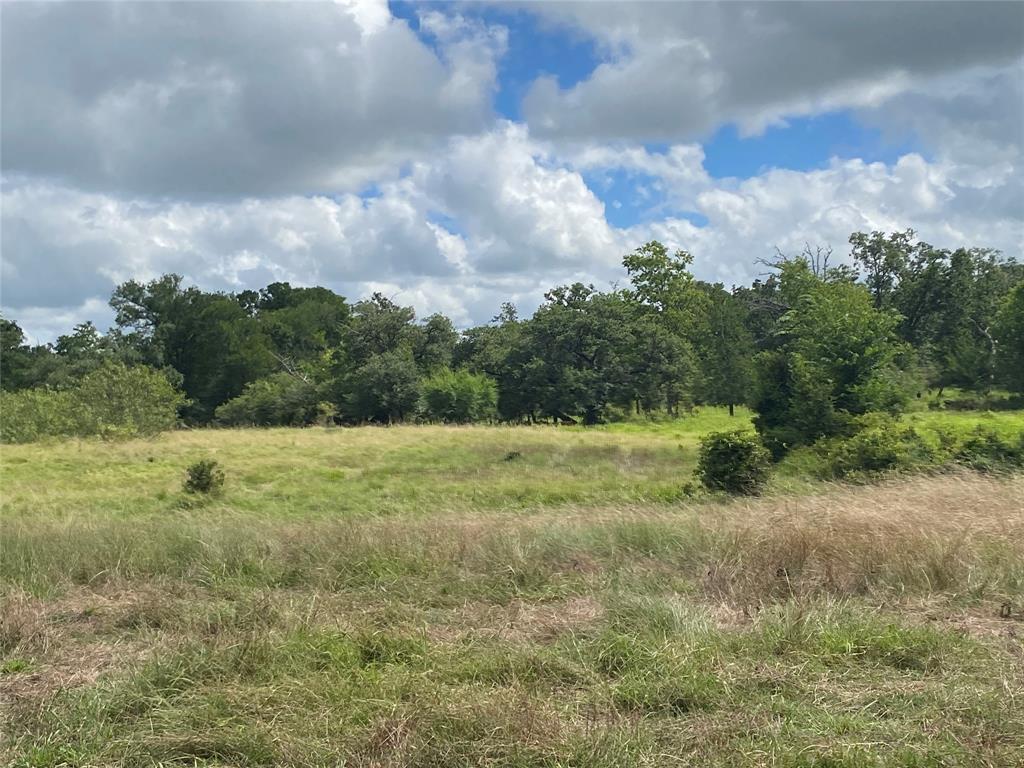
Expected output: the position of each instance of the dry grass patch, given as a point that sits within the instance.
(856, 627)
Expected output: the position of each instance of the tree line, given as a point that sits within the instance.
(810, 345)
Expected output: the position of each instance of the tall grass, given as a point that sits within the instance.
(382, 597)
(955, 533)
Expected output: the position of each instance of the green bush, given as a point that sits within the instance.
(112, 401)
(986, 451)
(458, 397)
(735, 462)
(205, 476)
(879, 445)
(118, 400)
(793, 404)
(34, 414)
(385, 389)
(281, 400)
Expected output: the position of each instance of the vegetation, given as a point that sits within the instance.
(112, 400)
(205, 476)
(812, 348)
(406, 596)
(444, 592)
(733, 462)
(458, 397)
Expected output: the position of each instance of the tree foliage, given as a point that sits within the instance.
(458, 397)
(111, 401)
(811, 346)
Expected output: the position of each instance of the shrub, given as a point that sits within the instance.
(985, 451)
(279, 400)
(118, 400)
(326, 413)
(735, 462)
(34, 414)
(879, 445)
(458, 396)
(111, 401)
(204, 476)
(384, 389)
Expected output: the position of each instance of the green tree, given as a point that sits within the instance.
(384, 389)
(662, 282)
(726, 349)
(793, 403)
(15, 357)
(964, 346)
(210, 339)
(839, 357)
(884, 260)
(302, 323)
(503, 352)
(458, 397)
(1009, 330)
(378, 326)
(433, 343)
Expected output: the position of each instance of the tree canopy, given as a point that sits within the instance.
(811, 346)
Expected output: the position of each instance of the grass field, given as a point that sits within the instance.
(428, 596)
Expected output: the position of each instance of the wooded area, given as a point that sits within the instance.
(811, 346)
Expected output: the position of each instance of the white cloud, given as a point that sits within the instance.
(678, 70)
(492, 218)
(748, 219)
(213, 100)
(227, 142)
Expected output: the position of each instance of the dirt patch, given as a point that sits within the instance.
(518, 621)
(70, 667)
(74, 639)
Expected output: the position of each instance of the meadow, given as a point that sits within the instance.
(502, 596)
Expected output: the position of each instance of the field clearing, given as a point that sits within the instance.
(387, 471)
(416, 596)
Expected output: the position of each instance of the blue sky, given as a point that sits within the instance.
(459, 155)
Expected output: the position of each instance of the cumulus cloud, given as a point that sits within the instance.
(492, 218)
(748, 219)
(677, 70)
(207, 100)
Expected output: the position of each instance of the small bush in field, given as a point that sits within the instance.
(735, 462)
(205, 476)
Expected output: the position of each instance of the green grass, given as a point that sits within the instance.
(364, 471)
(413, 597)
(410, 470)
(1006, 423)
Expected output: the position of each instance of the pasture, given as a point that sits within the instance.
(502, 596)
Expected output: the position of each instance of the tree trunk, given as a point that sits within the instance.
(732, 411)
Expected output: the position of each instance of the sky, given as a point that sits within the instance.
(458, 155)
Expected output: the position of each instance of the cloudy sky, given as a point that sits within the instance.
(459, 155)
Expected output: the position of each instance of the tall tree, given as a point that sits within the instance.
(726, 349)
(839, 358)
(1009, 329)
(884, 260)
(15, 357)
